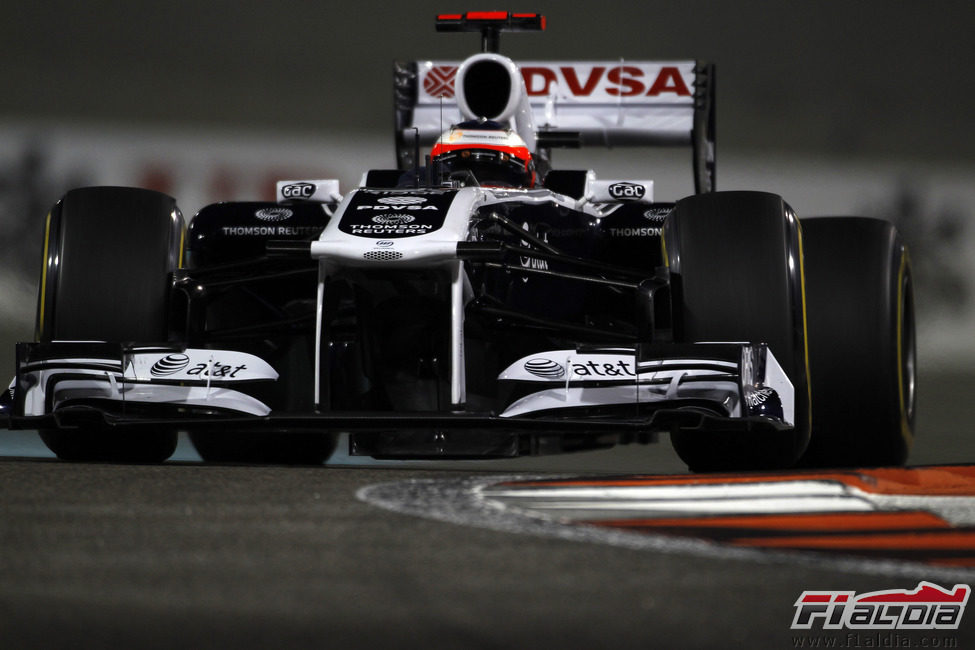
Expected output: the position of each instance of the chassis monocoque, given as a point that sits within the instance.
(432, 317)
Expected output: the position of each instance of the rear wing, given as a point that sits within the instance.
(577, 103)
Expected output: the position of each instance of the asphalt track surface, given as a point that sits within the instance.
(209, 556)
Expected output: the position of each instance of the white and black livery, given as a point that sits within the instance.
(478, 301)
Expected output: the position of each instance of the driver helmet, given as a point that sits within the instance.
(496, 156)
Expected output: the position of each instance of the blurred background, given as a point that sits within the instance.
(842, 107)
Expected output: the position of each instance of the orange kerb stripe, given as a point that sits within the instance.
(962, 541)
(943, 480)
(814, 521)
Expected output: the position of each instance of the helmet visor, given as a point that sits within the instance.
(489, 167)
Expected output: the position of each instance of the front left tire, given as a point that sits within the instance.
(736, 273)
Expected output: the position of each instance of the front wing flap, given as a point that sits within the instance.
(125, 379)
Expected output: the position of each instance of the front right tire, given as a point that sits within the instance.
(108, 252)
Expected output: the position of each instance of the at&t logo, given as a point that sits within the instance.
(169, 365)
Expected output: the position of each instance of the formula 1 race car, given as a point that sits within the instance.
(478, 302)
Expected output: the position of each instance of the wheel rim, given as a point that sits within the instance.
(908, 353)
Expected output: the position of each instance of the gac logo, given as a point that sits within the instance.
(298, 190)
(627, 191)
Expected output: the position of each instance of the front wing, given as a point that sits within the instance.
(560, 399)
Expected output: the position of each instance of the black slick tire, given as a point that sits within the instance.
(859, 290)
(736, 275)
(108, 252)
